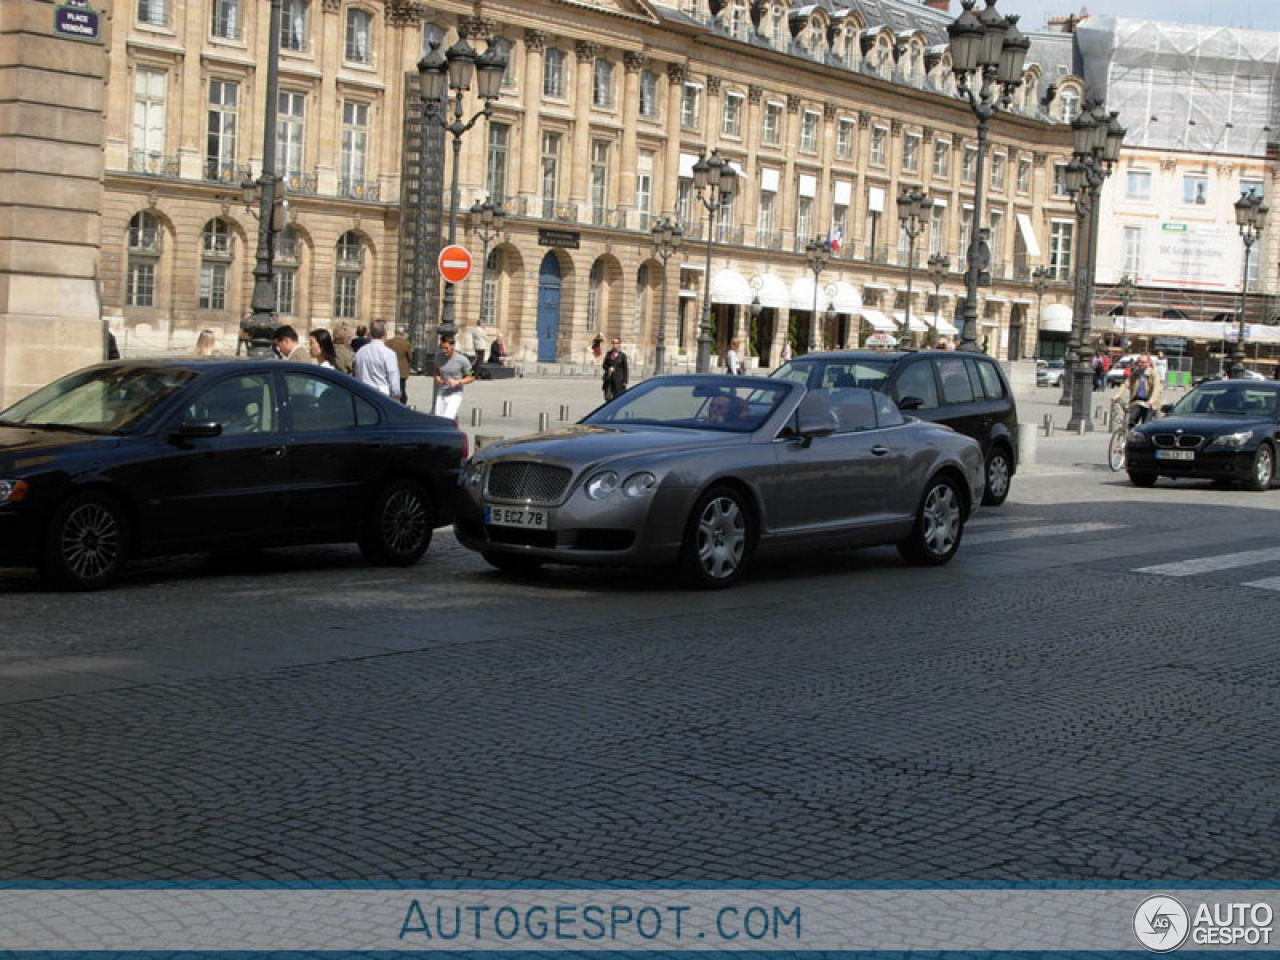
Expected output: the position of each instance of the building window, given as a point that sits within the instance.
(355, 141)
(804, 219)
(691, 106)
(1133, 251)
(999, 163)
(937, 229)
(839, 226)
(553, 73)
(154, 12)
(149, 91)
(599, 181)
(226, 19)
(144, 253)
(346, 279)
(286, 280)
(293, 25)
(1252, 188)
(879, 136)
(1137, 185)
(844, 139)
(1061, 234)
(550, 173)
(220, 153)
(911, 152)
(1068, 105)
(738, 20)
(594, 282)
(731, 125)
(215, 259)
(359, 41)
(290, 133)
(809, 131)
(509, 71)
(684, 203)
(1195, 189)
(1059, 179)
(495, 180)
(489, 288)
(969, 165)
(995, 240)
(644, 188)
(648, 94)
(1024, 175)
(772, 133)
(966, 231)
(765, 217)
(602, 85)
(941, 158)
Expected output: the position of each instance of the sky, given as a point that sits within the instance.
(1253, 14)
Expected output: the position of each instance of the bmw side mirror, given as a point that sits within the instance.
(1166, 408)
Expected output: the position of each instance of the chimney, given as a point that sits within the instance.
(943, 5)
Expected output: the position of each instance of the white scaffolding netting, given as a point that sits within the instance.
(1184, 86)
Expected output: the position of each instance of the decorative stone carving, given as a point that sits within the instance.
(535, 40)
(864, 120)
(634, 61)
(1226, 170)
(1169, 164)
(828, 111)
(1038, 158)
(895, 126)
(405, 13)
(677, 73)
(332, 6)
(153, 198)
(586, 50)
(793, 103)
(926, 135)
(754, 93)
(476, 28)
(713, 86)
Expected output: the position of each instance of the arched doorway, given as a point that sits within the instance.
(548, 307)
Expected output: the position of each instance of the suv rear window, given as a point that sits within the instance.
(991, 381)
(916, 380)
(954, 375)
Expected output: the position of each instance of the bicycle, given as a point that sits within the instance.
(1127, 416)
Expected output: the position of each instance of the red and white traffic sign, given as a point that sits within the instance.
(454, 263)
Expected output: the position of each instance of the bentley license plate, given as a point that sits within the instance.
(1175, 454)
(515, 517)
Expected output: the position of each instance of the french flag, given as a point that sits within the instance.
(835, 239)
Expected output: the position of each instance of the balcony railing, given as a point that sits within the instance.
(608, 217)
(359, 189)
(771, 240)
(146, 242)
(304, 183)
(287, 251)
(227, 172)
(153, 164)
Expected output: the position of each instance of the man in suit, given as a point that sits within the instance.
(615, 371)
(287, 345)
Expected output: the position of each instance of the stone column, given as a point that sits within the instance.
(677, 73)
(326, 148)
(749, 192)
(789, 193)
(630, 110)
(52, 170)
(535, 42)
(827, 153)
(190, 119)
(580, 169)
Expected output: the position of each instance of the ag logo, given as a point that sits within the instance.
(1161, 924)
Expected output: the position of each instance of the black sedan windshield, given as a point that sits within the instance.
(98, 400)
(710, 403)
(1243, 398)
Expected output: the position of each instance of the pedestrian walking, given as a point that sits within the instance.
(345, 357)
(360, 339)
(479, 345)
(732, 362)
(453, 372)
(786, 350)
(288, 347)
(615, 371)
(320, 343)
(403, 349)
(376, 365)
(597, 344)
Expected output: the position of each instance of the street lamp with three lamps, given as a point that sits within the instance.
(716, 185)
(667, 240)
(818, 252)
(914, 207)
(438, 75)
(939, 267)
(992, 49)
(1251, 217)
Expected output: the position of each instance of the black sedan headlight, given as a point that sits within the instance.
(1231, 441)
(12, 491)
(1138, 438)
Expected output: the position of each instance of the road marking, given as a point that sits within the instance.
(1271, 583)
(990, 521)
(1226, 561)
(1026, 533)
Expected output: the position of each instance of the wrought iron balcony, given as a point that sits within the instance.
(227, 172)
(287, 250)
(608, 217)
(153, 164)
(350, 259)
(303, 183)
(359, 189)
(771, 240)
(148, 241)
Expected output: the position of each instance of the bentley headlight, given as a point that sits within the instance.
(639, 484)
(11, 491)
(1231, 441)
(602, 485)
(473, 476)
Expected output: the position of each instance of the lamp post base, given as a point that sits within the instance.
(660, 360)
(1081, 397)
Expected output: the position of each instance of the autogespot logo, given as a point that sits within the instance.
(1161, 924)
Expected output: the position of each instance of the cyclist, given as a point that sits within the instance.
(1142, 391)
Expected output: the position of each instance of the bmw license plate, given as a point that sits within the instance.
(1175, 454)
(515, 517)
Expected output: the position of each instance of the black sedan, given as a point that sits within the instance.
(1224, 430)
(129, 459)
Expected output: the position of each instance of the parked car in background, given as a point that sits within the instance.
(137, 458)
(702, 473)
(1119, 371)
(1225, 430)
(1049, 373)
(965, 391)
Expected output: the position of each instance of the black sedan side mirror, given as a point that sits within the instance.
(192, 429)
(1166, 408)
(910, 403)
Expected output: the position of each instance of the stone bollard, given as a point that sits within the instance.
(544, 422)
(1026, 444)
(564, 412)
(1048, 424)
(477, 416)
(1080, 429)
(483, 440)
(506, 408)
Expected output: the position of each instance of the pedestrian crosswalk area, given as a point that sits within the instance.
(1257, 568)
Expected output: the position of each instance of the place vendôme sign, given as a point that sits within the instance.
(74, 20)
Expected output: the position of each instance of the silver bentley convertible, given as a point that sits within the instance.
(705, 472)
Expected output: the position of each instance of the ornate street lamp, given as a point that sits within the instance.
(1097, 137)
(1251, 217)
(487, 218)
(1040, 283)
(830, 316)
(438, 75)
(667, 239)
(754, 309)
(1125, 288)
(989, 49)
(939, 267)
(914, 207)
(716, 185)
(818, 252)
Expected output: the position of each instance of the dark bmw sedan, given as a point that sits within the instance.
(1225, 430)
(129, 459)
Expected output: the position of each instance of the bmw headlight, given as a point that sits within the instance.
(602, 485)
(639, 484)
(11, 491)
(1138, 438)
(1231, 441)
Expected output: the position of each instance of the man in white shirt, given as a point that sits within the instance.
(376, 364)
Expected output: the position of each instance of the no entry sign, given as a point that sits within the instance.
(454, 263)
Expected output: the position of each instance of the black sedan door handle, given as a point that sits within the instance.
(879, 451)
(273, 453)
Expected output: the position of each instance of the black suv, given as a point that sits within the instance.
(966, 391)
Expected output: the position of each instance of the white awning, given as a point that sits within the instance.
(773, 291)
(873, 285)
(729, 286)
(687, 160)
(769, 180)
(802, 294)
(847, 298)
(1028, 235)
(917, 325)
(843, 193)
(1056, 318)
(944, 325)
(879, 321)
(808, 185)
(875, 199)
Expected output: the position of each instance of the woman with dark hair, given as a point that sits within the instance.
(322, 351)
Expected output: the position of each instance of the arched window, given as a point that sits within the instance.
(594, 283)
(346, 277)
(144, 258)
(215, 263)
(288, 254)
(1068, 104)
(489, 288)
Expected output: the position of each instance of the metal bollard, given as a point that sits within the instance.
(544, 422)
(564, 411)
(477, 417)
(1048, 425)
(506, 408)
(1080, 429)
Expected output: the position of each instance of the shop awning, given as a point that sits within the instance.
(847, 299)
(1056, 318)
(802, 294)
(917, 325)
(879, 321)
(944, 325)
(772, 291)
(1028, 235)
(729, 286)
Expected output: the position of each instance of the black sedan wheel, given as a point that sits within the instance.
(1263, 469)
(87, 543)
(939, 526)
(717, 542)
(999, 474)
(399, 529)
(1142, 478)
